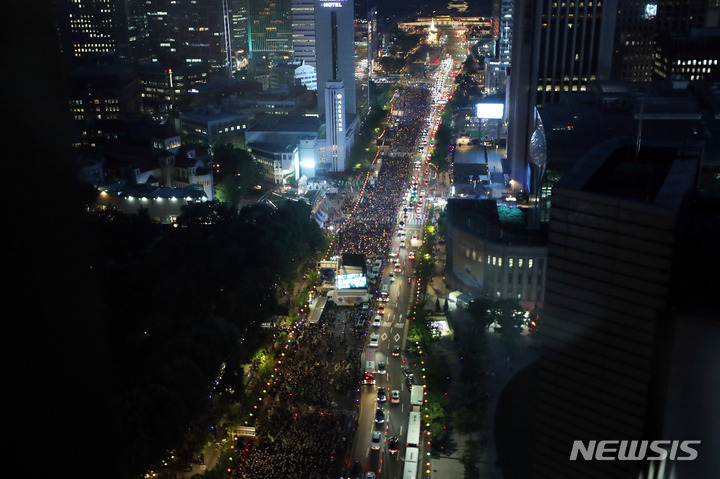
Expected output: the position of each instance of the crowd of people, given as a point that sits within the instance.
(368, 230)
(297, 444)
(302, 433)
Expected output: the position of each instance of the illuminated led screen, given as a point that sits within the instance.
(489, 110)
(351, 281)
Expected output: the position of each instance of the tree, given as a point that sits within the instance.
(469, 460)
(510, 317)
(480, 310)
(237, 173)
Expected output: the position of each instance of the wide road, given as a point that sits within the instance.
(421, 191)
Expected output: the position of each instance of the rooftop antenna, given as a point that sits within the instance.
(638, 140)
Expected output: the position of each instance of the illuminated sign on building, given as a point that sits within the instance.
(489, 110)
(650, 10)
(334, 4)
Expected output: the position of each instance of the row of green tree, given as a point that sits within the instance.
(424, 347)
(180, 312)
(365, 148)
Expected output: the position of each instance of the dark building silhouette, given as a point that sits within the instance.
(178, 32)
(188, 32)
(623, 232)
(105, 89)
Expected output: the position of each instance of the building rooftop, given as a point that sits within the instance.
(207, 114)
(659, 173)
(126, 190)
(670, 111)
(271, 147)
(290, 124)
(495, 221)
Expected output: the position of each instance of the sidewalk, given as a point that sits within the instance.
(503, 368)
(209, 461)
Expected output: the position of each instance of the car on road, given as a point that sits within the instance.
(406, 370)
(396, 351)
(392, 277)
(381, 308)
(374, 340)
(370, 475)
(382, 369)
(418, 216)
(381, 396)
(410, 381)
(395, 396)
(375, 441)
(379, 415)
(411, 255)
(393, 445)
(377, 321)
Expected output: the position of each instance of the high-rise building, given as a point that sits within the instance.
(693, 55)
(639, 22)
(615, 243)
(496, 68)
(270, 29)
(303, 31)
(556, 47)
(335, 49)
(505, 32)
(88, 28)
(336, 125)
(107, 89)
(185, 32)
(335, 66)
(373, 38)
(239, 38)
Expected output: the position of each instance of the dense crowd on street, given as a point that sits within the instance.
(369, 230)
(301, 432)
(297, 444)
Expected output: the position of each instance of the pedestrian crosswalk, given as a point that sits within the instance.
(413, 221)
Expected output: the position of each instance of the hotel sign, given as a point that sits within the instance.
(332, 4)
